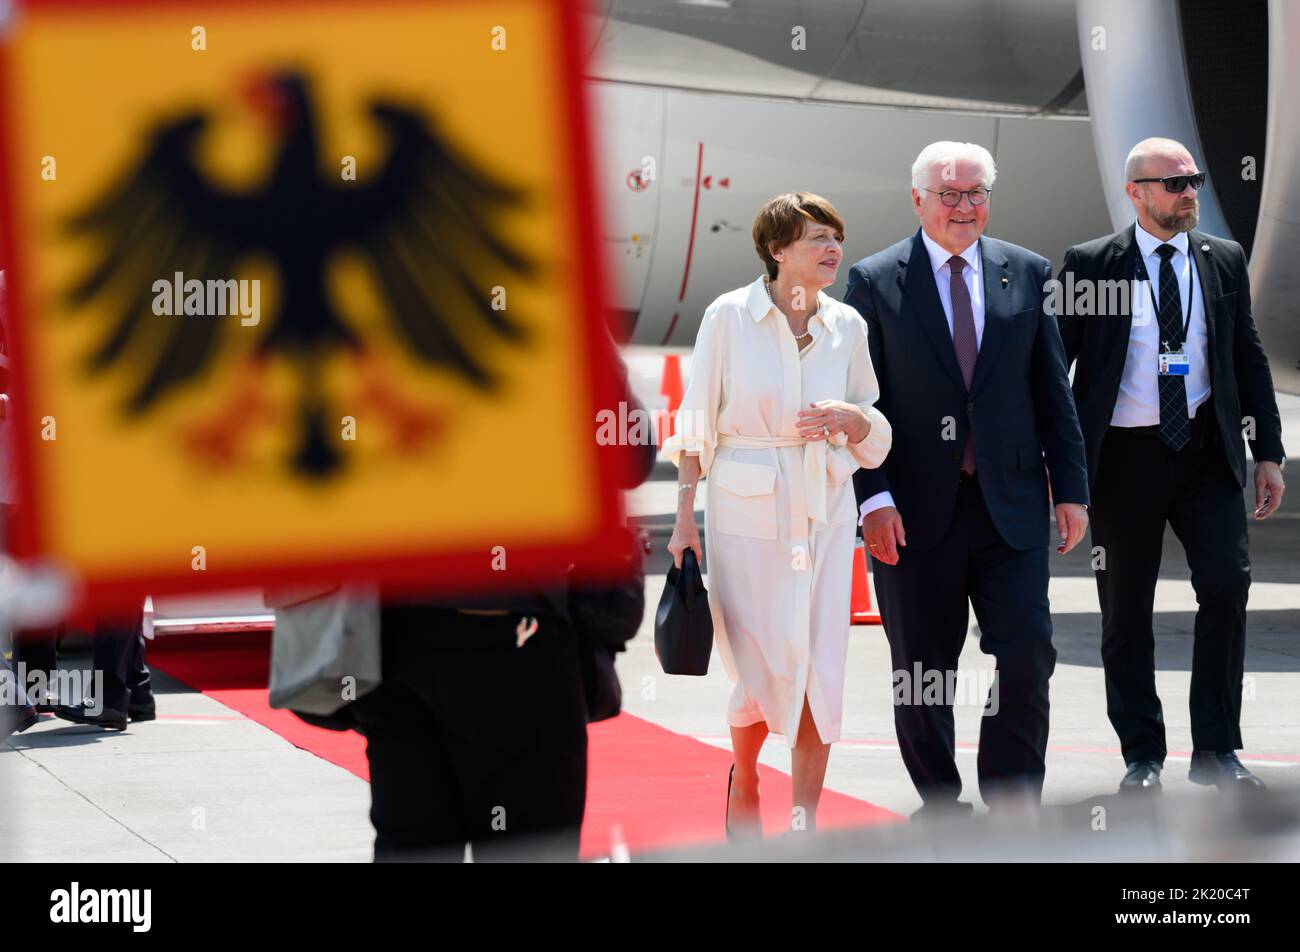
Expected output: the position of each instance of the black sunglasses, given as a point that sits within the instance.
(1177, 183)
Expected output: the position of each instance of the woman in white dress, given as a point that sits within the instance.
(778, 416)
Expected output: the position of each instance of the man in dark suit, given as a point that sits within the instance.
(973, 378)
(1166, 388)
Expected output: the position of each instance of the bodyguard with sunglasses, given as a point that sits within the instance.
(1165, 392)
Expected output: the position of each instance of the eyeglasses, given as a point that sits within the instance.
(1177, 183)
(952, 198)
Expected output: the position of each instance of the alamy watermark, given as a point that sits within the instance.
(947, 687)
(1101, 298)
(178, 296)
(39, 687)
(75, 904)
(634, 426)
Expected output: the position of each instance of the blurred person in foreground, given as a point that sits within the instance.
(118, 643)
(477, 732)
(17, 713)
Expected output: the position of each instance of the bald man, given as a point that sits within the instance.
(1168, 385)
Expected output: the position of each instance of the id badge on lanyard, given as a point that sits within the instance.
(1174, 361)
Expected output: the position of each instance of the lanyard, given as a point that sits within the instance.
(1191, 274)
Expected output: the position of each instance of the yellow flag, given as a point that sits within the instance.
(299, 290)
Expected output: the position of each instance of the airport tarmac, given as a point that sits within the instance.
(204, 783)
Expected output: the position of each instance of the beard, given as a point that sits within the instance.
(1184, 219)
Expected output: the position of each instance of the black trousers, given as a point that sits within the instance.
(472, 738)
(38, 650)
(924, 606)
(118, 646)
(1141, 485)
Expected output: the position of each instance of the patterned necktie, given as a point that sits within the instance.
(963, 341)
(1175, 427)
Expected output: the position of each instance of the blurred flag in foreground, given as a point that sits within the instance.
(301, 289)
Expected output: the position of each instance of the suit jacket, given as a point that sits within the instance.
(1018, 407)
(1240, 383)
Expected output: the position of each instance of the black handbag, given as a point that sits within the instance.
(683, 624)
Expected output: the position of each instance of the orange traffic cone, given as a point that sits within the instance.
(861, 611)
(670, 387)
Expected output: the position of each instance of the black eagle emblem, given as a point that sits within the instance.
(425, 224)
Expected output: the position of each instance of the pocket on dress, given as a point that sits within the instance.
(840, 465)
(743, 498)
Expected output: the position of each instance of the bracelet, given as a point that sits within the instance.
(682, 487)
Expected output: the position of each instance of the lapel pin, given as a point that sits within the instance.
(1005, 281)
(1205, 247)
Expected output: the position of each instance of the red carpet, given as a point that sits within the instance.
(648, 788)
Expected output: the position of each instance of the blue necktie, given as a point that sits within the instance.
(1175, 427)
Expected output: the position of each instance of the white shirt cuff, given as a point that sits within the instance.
(878, 501)
(870, 452)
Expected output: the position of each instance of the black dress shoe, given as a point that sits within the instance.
(1142, 777)
(107, 718)
(142, 713)
(25, 719)
(1221, 769)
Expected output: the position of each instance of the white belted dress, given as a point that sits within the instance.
(780, 517)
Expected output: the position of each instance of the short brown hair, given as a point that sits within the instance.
(782, 220)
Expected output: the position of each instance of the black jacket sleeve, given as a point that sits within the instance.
(1254, 380)
(635, 460)
(869, 482)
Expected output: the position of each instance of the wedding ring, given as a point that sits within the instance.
(826, 430)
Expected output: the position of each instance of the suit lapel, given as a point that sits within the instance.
(1122, 266)
(921, 295)
(1208, 275)
(997, 311)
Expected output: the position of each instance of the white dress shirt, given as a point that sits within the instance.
(972, 274)
(1138, 400)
